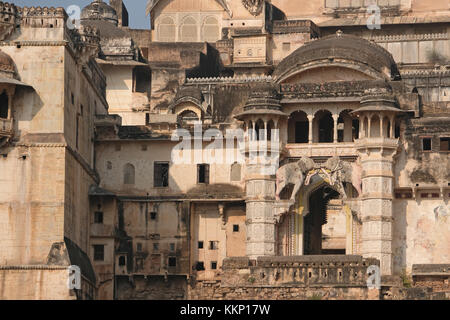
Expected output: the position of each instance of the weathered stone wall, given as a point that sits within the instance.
(301, 277)
(46, 283)
(151, 288)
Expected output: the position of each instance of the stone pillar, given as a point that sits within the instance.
(310, 133)
(335, 131)
(260, 192)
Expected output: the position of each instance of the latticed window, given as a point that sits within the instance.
(210, 30)
(188, 30)
(166, 30)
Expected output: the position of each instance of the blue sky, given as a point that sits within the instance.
(136, 8)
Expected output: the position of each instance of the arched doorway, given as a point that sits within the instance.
(316, 219)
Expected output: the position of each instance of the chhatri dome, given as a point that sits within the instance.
(99, 10)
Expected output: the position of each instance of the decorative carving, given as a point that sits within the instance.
(340, 172)
(253, 6)
(293, 173)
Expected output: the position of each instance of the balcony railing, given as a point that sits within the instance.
(342, 149)
(6, 127)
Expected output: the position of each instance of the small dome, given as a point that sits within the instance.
(7, 68)
(99, 10)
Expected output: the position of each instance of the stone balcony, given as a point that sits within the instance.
(6, 127)
(318, 150)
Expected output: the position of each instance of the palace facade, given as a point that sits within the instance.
(335, 114)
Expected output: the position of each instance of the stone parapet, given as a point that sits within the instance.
(297, 271)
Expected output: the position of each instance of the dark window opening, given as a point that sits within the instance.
(326, 128)
(236, 228)
(445, 144)
(155, 246)
(153, 215)
(213, 245)
(301, 132)
(426, 144)
(397, 131)
(200, 266)
(98, 217)
(99, 252)
(298, 128)
(200, 244)
(172, 247)
(72, 98)
(213, 265)
(161, 174)
(122, 261)
(203, 173)
(141, 77)
(4, 105)
(172, 262)
(355, 129)
(139, 247)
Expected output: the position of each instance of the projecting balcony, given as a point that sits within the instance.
(6, 127)
(341, 149)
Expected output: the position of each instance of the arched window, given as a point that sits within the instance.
(235, 172)
(348, 127)
(298, 128)
(189, 115)
(4, 106)
(259, 130)
(128, 174)
(210, 30)
(166, 30)
(188, 30)
(324, 126)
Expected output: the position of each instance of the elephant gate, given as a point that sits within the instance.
(317, 208)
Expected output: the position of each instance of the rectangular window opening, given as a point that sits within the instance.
(99, 252)
(172, 262)
(98, 217)
(445, 144)
(426, 144)
(161, 174)
(203, 173)
(213, 245)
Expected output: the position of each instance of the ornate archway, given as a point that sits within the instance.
(300, 229)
